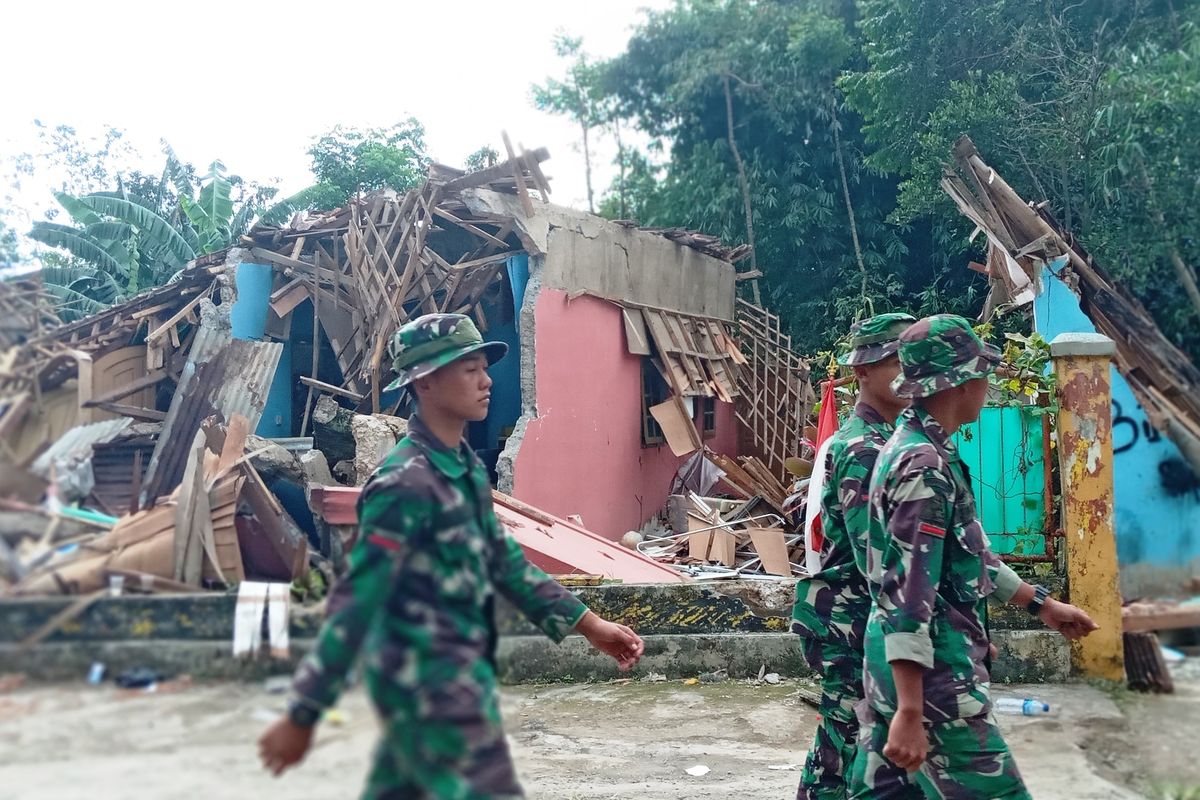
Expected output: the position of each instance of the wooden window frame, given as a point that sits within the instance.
(706, 416)
(654, 391)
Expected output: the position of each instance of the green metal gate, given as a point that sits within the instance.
(1006, 452)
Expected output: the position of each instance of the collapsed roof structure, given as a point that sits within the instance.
(286, 333)
(1023, 239)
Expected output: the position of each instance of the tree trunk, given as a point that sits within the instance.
(862, 268)
(1182, 270)
(587, 166)
(624, 200)
(745, 184)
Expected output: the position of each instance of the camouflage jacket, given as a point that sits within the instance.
(833, 605)
(930, 571)
(417, 597)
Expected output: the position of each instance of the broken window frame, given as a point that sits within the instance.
(706, 416)
(654, 391)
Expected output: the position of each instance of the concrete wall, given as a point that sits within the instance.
(689, 629)
(1158, 536)
(587, 253)
(582, 454)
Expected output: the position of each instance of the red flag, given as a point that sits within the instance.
(827, 425)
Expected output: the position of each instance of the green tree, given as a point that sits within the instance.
(346, 161)
(124, 241)
(576, 97)
(484, 157)
(751, 140)
(1086, 105)
(10, 252)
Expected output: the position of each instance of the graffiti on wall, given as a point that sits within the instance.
(1127, 432)
(1175, 476)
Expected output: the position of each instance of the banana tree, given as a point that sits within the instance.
(121, 243)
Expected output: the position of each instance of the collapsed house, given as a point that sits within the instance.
(1036, 265)
(248, 391)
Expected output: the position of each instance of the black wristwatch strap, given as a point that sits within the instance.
(1040, 593)
(303, 714)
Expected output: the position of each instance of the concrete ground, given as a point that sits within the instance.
(615, 740)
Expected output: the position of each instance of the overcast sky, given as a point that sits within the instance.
(252, 82)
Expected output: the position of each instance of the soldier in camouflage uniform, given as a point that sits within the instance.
(930, 572)
(417, 599)
(832, 606)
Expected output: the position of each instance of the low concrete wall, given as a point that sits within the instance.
(689, 629)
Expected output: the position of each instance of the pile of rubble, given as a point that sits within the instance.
(753, 534)
(127, 446)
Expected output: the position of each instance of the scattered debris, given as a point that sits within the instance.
(783, 766)
(726, 539)
(139, 678)
(654, 677)
(698, 771)
(1145, 663)
(1160, 615)
(95, 674)
(719, 676)
(810, 696)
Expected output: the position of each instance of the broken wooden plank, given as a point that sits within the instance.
(484, 176)
(137, 412)
(124, 391)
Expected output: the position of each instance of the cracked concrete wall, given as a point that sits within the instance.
(586, 254)
(527, 327)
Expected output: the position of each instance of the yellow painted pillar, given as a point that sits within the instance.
(1085, 459)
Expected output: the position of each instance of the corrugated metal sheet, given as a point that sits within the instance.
(114, 465)
(77, 443)
(222, 375)
(555, 545)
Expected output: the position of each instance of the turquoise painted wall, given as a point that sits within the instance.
(249, 319)
(1158, 536)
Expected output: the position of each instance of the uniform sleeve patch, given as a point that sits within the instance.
(932, 530)
(385, 543)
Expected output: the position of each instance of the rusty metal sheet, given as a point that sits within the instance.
(223, 376)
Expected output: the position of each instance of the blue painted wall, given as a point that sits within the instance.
(1158, 536)
(505, 408)
(249, 318)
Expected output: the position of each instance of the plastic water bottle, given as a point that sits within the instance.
(1026, 706)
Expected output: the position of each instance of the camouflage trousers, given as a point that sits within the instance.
(442, 742)
(968, 760)
(827, 769)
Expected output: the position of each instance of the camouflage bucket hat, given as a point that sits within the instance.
(875, 338)
(941, 352)
(429, 343)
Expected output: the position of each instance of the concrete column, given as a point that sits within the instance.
(1085, 458)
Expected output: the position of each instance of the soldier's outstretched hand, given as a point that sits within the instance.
(1071, 622)
(612, 638)
(284, 744)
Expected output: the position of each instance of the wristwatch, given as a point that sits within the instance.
(302, 714)
(1040, 593)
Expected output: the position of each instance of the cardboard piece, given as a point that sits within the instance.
(771, 547)
(677, 426)
(714, 545)
(698, 543)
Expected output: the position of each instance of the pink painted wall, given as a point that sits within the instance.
(583, 454)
